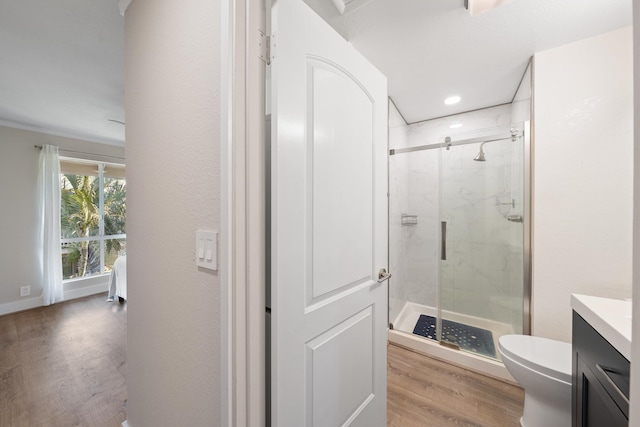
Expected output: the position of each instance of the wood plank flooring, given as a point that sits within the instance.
(425, 392)
(64, 365)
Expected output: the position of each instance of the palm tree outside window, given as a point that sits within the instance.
(93, 217)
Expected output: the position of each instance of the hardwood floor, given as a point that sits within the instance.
(64, 365)
(425, 392)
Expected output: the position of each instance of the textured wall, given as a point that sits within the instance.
(583, 193)
(173, 132)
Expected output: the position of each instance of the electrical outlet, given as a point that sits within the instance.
(25, 291)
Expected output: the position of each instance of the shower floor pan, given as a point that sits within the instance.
(409, 317)
(468, 338)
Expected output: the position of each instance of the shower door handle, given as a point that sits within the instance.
(443, 240)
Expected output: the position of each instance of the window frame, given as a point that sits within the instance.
(101, 238)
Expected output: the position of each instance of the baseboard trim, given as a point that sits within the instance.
(26, 304)
(86, 291)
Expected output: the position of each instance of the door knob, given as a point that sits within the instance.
(383, 275)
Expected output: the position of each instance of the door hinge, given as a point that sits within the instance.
(267, 47)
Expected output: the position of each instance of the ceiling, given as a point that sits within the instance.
(62, 68)
(62, 61)
(432, 49)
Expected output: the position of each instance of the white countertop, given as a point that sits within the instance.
(610, 317)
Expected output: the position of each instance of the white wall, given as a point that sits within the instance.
(19, 215)
(173, 131)
(583, 176)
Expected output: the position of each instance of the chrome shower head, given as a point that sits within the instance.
(480, 156)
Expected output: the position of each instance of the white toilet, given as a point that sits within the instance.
(543, 368)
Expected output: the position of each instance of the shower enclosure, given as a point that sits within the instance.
(459, 240)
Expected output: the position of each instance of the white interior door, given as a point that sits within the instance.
(329, 227)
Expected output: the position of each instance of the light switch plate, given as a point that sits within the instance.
(207, 249)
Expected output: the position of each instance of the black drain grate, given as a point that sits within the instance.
(469, 338)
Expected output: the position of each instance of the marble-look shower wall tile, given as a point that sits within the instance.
(398, 204)
(477, 198)
(481, 276)
(474, 200)
(473, 123)
(398, 129)
(421, 245)
(521, 105)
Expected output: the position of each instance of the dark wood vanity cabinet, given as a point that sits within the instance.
(600, 383)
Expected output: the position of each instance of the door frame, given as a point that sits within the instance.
(238, 374)
(243, 192)
(243, 213)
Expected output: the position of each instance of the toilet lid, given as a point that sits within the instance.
(552, 358)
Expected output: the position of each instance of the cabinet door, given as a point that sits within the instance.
(595, 407)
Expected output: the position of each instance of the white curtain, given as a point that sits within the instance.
(49, 196)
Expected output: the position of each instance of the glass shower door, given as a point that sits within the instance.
(413, 241)
(481, 253)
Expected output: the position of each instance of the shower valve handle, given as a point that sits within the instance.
(514, 218)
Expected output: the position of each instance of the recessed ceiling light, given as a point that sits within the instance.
(456, 125)
(452, 100)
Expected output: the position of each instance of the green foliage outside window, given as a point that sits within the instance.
(80, 218)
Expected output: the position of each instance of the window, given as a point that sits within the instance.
(92, 217)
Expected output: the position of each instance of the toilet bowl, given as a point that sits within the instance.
(542, 367)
